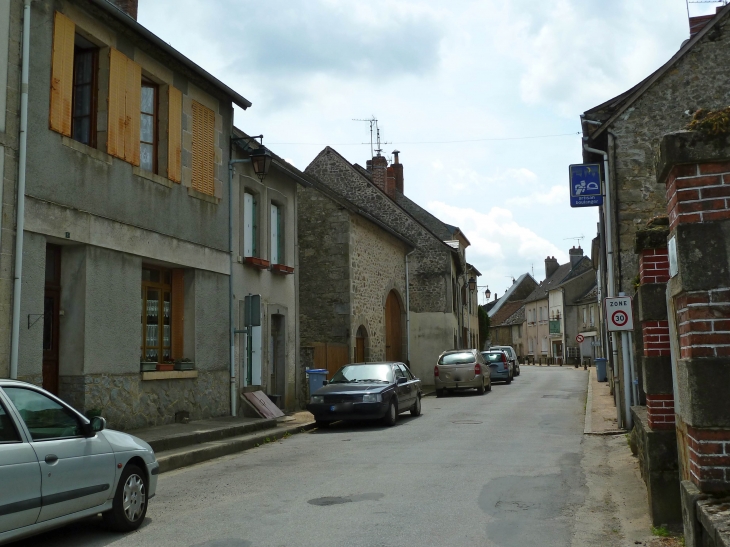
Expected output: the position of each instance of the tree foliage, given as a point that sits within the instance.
(483, 326)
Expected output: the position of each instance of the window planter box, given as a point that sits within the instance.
(165, 366)
(147, 366)
(256, 262)
(280, 268)
(185, 366)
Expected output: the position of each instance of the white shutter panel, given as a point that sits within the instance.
(247, 225)
(274, 234)
(256, 356)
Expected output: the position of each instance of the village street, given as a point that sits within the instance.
(511, 468)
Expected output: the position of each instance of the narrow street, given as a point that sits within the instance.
(505, 469)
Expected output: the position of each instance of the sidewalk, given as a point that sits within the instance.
(600, 416)
(180, 445)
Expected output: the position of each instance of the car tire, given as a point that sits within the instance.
(440, 393)
(509, 379)
(130, 501)
(481, 389)
(391, 415)
(416, 408)
(489, 387)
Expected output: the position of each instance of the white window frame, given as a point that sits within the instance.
(249, 227)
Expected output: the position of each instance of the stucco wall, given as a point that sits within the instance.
(377, 262)
(30, 345)
(430, 333)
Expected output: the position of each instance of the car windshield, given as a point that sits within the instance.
(363, 373)
(493, 356)
(461, 358)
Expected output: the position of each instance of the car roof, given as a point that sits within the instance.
(9, 382)
(457, 350)
(376, 363)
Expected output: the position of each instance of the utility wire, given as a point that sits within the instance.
(432, 142)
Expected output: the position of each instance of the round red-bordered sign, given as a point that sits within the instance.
(620, 318)
(579, 338)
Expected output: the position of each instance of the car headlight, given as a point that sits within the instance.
(372, 398)
(317, 399)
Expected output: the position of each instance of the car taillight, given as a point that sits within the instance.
(436, 371)
(504, 358)
(477, 369)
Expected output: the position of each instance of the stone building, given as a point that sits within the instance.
(630, 128)
(125, 263)
(360, 239)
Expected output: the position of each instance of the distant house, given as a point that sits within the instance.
(502, 331)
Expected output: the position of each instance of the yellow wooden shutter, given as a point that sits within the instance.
(174, 135)
(62, 67)
(117, 107)
(132, 111)
(203, 149)
(178, 307)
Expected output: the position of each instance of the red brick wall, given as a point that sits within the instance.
(654, 266)
(660, 411)
(656, 338)
(703, 321)
(698, 193)
(709, 458)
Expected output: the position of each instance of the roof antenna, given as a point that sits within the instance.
(578, 239)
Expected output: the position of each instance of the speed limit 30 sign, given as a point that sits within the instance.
(619, 314)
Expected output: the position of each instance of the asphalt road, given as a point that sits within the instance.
(503, 469)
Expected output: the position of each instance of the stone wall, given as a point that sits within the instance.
(377, 266)
(429, 265)
(324, 268)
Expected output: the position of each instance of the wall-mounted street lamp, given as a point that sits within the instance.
(261, 161)
(472, 284)
(487, 294)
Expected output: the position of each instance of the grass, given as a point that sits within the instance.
(660, 531)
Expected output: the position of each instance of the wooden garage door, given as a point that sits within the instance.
(393, 328)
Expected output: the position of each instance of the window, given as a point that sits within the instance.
(277, 244)
(203, 176)
(585, 315)
(156, 314)
(250, 222)
(8, 434)
(544, 345)
(593, 318)
(44, 417)
(531, 343)
(148, 127)
(83, 121)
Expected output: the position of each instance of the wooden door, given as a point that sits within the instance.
(51, 307)
(359, 349)
(393, 328)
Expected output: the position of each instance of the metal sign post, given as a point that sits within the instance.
(620, 317)
(585, 185)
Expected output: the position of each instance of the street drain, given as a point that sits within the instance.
(466, 422)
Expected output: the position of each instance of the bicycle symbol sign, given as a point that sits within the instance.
(619, 313)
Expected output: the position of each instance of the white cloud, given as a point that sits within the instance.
(554, 196)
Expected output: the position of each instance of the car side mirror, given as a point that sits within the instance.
(324, 383)
(402, 380)
(98, 424)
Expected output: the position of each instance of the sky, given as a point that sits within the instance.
(482, 98)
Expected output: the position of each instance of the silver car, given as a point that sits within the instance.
(461, 368)
(512, 356)
(56, 466)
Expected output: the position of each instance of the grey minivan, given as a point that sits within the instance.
(461, 368)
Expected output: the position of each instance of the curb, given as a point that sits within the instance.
(224, 447)
(200, 437)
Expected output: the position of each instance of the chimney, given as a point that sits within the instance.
(576, 255)
(127, 6)
(696, 24)
(398, 170)
(379, 167)
(551, 265)
(390, 182)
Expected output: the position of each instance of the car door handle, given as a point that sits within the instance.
(51, 458)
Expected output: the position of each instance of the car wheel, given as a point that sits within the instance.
(480, 389)
(440, 392)
(416, 408)
(130, 501)
(489, 386)
(509, 379)
(391, 415)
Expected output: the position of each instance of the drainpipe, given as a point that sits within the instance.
(231, 323)
(608, 218)
(20, 204)
(408, 313)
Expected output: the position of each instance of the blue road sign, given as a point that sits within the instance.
(585, 185)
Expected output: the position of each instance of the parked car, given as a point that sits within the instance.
(56, 466)
(462, 368)
(367, 391)
(499, 365)
(511, 356)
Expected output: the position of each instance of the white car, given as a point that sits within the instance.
(511, 355)
(56, 466)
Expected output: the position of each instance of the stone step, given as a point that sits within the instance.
(184, 456)
(161, 442)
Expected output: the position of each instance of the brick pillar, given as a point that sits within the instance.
(695, 170)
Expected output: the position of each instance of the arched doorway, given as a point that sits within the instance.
(393, 328)
(361, 344)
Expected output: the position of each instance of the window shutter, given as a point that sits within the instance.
(247, 225)
(125, 91)
(274, 234)
(203, 149)
(254, 227)
(174, 135)
(62, 66)
(178, 308)
(133, 106)
(280, 237)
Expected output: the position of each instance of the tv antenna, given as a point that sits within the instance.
(578, 239)
(512, 277)
(373, 121)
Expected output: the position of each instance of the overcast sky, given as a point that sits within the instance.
(486, 73)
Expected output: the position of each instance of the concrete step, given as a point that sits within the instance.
(183, 456)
